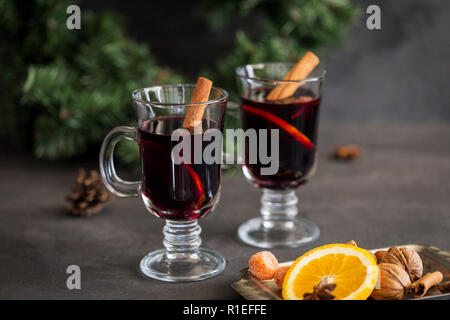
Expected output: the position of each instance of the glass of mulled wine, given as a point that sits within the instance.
(296, 119)
(178, 192)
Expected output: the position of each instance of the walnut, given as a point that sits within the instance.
(409, 259)
(394, 281)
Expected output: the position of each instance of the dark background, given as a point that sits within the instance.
(398, 74)
(386, 91)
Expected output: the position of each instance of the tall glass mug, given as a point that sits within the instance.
(296, 119)
(178, 193)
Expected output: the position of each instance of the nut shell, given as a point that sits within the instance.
(392, 283)
(409, 259)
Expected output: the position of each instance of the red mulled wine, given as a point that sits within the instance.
(297, 120)
(178, 191)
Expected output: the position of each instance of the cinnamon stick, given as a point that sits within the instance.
(421, 286)
(194, 113)
(298, 72)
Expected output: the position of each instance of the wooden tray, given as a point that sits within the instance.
(433, 259)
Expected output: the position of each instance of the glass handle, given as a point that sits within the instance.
(112, 181)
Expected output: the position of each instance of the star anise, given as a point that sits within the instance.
(322, 291)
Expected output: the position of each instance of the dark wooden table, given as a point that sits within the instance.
(397, 193)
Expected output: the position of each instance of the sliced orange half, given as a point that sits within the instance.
(352, 269)
(289, 128)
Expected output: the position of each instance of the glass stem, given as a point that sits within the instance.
(182, 239)
(279, 207)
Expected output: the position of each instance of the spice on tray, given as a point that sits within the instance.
(393, 282)
(322, 291)
(444, 287)
(396, 269)
(279, 275)
(409, 259)
(348, 152)
(380, 254)
(421, 286)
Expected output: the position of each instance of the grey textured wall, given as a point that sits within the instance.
(400, 73)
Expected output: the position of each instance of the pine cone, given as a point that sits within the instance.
(89, 195)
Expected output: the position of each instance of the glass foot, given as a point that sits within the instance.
(182, 259)
(181, 267)
(272, 234)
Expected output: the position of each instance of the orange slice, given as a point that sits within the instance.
(289, 128)
(198, 183)
(352, 269)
